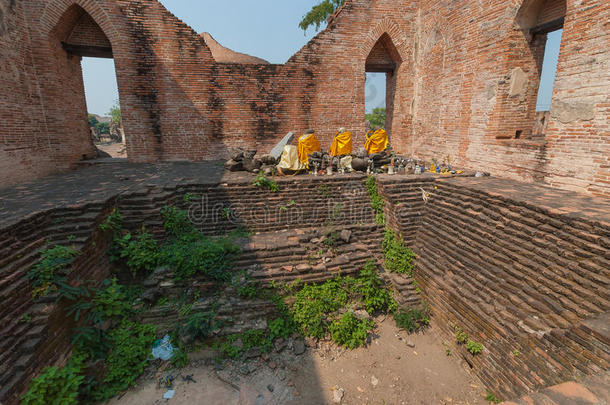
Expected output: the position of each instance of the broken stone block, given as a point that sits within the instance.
(151, 296)
(268, 160)
(250, 164)
(234, 166)
(278, 149)
(345, 235)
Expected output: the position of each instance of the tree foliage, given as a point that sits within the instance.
(115, 113)
(319, 14)
(377, 118)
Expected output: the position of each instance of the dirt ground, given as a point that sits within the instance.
(116, 150)
(394, 369)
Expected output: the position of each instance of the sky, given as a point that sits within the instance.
(549, 70)
(265, 28)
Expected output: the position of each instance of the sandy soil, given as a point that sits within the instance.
(388, 371)
(116, 150)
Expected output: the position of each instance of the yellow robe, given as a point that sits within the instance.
(308, 144)
(376, 142)
(342, 144)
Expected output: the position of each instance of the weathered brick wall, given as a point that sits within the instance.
(313, 203)
(465, 84)
(467, 56)
(520, 269)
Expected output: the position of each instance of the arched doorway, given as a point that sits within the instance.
(77, 43)
(383, 59)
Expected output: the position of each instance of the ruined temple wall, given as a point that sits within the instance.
(477, 79)
(578, 136)
(337, 57)
(24, 146)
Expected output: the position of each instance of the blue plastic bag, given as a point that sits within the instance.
(163, 349)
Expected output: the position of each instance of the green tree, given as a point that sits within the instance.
(377, 117)
(93, 121)
(319, 14)
(115, 113)
(102, 128)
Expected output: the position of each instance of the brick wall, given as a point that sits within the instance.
(466, 83)
(518, 268)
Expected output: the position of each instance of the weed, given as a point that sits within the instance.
(411, 320)
(111, 301)
(113, 223)
(460, 336)
(140, 253)
(376, 200)
(474, 347)
(57, 385)
(350, 331)
(229, 351)
(26, 318)
(262, 181)
(226, 213)
(398, 257)
(315, 307)
(176, 222)
(249, 291)
(325, 190)
(331, 239)
(201, 325)
(490, 397)
(192, 253)
(180, 358)
(516, 353)
(52, 269)
(130, 345)
(375, 296)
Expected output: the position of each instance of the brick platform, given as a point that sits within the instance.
(519, 267)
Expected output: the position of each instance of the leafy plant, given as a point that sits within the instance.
(262, 181)
(460, 336)
(176, 222)
(376, 200)
(226, 213)
(140, 252)
(398, 257)
(490, 397)
(201, 325)
(57, 386)
(51, 269)
(230, 351)
(474, 347)
(192, 253)
(350, 331)
(516, 353)
(249, 291)
(113, 223)
(314, 303)
(180, 357)
(254, 338)
(411, 320)
(325, 190)
(375, 296)
(130, 345)
(111, 301)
